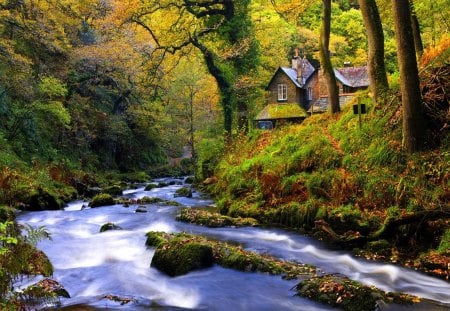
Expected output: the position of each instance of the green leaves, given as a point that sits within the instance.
(51, 87)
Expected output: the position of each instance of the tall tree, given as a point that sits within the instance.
(377, 70)
(324, 54)
(220, 29)
(413, 121)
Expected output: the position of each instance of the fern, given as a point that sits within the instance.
(34, 235)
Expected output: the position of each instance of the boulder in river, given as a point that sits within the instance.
(179, 259)
(109, 226)
(141, 209)
(184, 192)
(349, 295)
(101, 199)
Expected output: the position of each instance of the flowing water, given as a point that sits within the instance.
(91, 265)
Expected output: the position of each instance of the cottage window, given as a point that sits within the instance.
(282, 92)
(309, 95)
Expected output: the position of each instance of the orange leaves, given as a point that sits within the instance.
(437, 55)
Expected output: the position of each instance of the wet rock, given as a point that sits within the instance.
(102, 199)
(141, 209)
(150, 187)
(47, 287)
(113, 190)
(40, 200)
(183, 192)
(38, 262)
(214, 220)
(349, 295)
(179, 259)
(181, 253)
(109, 226)
(189, 180)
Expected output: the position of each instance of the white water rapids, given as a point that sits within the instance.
(91, 265)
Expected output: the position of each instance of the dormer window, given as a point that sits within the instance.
(282, 92)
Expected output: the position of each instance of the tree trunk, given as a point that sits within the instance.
(413, 121)
(416, 32)
(327, 67)
(377, 70)
(225, 88)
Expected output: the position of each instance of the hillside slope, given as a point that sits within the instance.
(350, 186)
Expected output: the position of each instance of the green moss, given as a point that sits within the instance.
(101, 199)
(444, 246)
(346, 294)
(184, 192)
(174, 248)
(281, 111)
(347, 217)
(214, 220)
(113, 190)
(150, 187)
(155, 239)
(180, 258)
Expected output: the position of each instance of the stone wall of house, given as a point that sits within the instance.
(292, 94)
(314, 84)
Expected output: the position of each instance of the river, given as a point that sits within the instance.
(91, 265)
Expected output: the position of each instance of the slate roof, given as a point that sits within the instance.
(308, 70)
(353, 76)
(281, 111)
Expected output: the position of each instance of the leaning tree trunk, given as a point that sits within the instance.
(413, 121)
(377, 70)
(327, 67)
(416, 32)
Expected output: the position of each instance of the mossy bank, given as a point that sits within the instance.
(347, 185)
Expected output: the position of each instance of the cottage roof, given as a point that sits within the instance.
(353, 76)
(308, 71)
(281, 111)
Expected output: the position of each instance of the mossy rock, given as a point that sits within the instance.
(347, 218)
(349, 295)
(181, 259)
(380, 247)
(109, 226)
(46, 288)
(213, 220)
(150, 187)
(150, 200)
(113, 190)
(37, 261)
(155, 239)
(189, 180)
(40, 200)
(187, 251)
(102, 199)
(184, 192)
